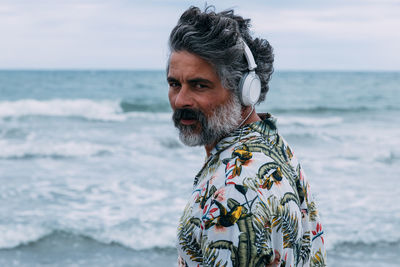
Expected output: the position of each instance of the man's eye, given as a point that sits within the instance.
(173, 84)
(201, 86)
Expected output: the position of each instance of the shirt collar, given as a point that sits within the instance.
(266, 126)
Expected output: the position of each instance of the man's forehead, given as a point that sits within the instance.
(189, 64)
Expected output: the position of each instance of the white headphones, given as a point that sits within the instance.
(250, 84)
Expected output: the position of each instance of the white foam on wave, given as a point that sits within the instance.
(51, 149)
(368, 234)
(309, 121)
(17, 234)
(89, 109)
(139, 236)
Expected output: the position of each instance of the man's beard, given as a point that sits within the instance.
(223, 120)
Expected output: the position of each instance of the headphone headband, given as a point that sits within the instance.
(250, 84)
(249, 56)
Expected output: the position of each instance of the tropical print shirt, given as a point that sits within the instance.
(251, 206)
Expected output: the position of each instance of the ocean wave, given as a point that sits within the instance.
(17, 235)
(330, 110)
(97, 110)
(63, 237)
(62, 150)
(30, 236)
(376, 243)
(135, 106)
(308, 121)
(82, 108)
(358, 253)
(121, 110)
(389, 157)
(13, 133)
(65, 249)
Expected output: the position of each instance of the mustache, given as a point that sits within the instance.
(188, 114)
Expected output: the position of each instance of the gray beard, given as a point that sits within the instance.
(224, 119)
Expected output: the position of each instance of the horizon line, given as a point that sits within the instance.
(156, 69)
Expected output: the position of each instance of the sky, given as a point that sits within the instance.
(121, 34)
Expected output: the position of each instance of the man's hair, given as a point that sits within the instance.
(215, 37)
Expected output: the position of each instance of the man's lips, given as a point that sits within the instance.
(188, 122)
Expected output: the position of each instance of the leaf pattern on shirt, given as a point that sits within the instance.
(280, 159)
(305, 247)
(185, 236)
(288, 223)
(318, 259)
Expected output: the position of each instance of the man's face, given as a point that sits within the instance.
(204, 111)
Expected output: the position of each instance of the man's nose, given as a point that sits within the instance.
(184, 98)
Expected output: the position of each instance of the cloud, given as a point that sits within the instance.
(350, 36)
(340, 22)
(92, 34)
(133, 34)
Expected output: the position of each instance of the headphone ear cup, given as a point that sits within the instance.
(250, 88)
(241, 86)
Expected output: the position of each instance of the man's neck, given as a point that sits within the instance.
(250, 119)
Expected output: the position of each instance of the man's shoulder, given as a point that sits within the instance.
(257, 149)
(266, 161)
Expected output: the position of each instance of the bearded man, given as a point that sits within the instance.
(251, 203)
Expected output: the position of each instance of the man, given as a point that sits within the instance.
(251, 204)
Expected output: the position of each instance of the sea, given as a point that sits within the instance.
(92, 172)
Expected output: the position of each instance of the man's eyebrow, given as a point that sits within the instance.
(200, 80)
(172, 79)
(192, 81)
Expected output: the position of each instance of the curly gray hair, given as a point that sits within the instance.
(215, 37)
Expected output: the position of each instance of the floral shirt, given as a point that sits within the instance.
(251, 206)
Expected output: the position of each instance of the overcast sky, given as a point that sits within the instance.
(123, 34)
